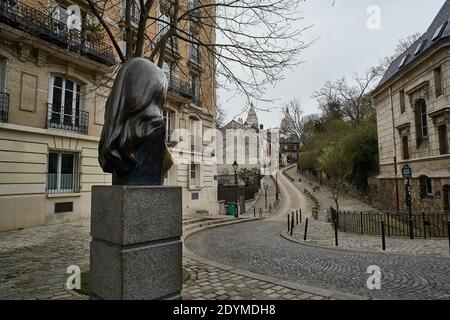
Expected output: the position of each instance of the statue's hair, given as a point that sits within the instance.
(137, 84)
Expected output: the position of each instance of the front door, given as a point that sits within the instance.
(446, 198)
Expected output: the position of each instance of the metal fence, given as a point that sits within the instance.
(4, 107)
(397, 224)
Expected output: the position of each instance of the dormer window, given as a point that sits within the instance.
(402, 63)
(439, 31)
(419, 47)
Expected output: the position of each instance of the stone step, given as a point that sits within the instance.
(223, 223)
(207, 223)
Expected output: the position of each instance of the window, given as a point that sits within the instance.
(63, 174)
(426, 186)
(402, 101)
(135, 12)
(402, 62)
(438, 81)
(196, 135)
(443, 139)
(163, 24)
(169, 117)
(439, 31)
(64, 111)
(194, 175)
(421, 121)
(168, 70)
(194, 55)
(419, 47)
(195, 85)
(405, 148)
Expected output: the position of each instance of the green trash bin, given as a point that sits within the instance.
(230, 209)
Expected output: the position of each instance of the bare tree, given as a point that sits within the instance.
(299, 125)
(252, 43)
(353, 100)
(220, 115)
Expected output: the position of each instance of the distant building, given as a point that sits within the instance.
(413, 116)
(289, 147)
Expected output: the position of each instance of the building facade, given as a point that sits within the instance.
(54, 82)
(413, 114)
(289, 148)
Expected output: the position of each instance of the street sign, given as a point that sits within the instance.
(266, 187)
(406, 171)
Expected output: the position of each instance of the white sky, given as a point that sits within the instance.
(345, 46)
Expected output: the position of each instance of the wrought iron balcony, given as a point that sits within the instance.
(180, 87)
(4, 106)
(44, 26)
(67, 118)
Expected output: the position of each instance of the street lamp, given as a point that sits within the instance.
(236, 210)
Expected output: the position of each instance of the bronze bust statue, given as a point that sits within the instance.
(132, 145)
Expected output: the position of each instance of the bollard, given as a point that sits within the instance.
(289, 223)
(260, 212)
(300, 215)
(336, 233)
(306, 229)
(296, 216)
(292, 224)
(270, 207)
(362, 224)
(423, 224)
(254, 212)
(448, 232)
(383, 237)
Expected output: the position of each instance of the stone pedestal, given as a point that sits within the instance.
(136, 251)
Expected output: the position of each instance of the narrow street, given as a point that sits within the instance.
(258, 247)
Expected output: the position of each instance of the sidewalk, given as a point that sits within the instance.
(260, 202)
(322, 234)
(325, 196)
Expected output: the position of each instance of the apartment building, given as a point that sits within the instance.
(413, 113)
(54, 81)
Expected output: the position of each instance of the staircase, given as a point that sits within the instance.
(198, 222)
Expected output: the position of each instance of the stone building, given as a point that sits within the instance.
(54, 82)
(243, 142)
(413, 114)
(289, 148)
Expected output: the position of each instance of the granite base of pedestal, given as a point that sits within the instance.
(136, 251)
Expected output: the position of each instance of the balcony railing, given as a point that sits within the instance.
(66, 118)
(4, 107)
(180, 87)
(44, 26)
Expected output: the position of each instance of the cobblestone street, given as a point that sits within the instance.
(258, 247)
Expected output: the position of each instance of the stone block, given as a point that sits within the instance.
(133, 214)
(136, 272)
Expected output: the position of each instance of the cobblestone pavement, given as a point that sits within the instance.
(33, 262)
(322, 234)
(258, 247)
(33, 265)
(212, 283)
(325, 197)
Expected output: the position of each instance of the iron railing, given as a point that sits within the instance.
(4, 107)
(67, 118)
(46, 27)
(180, 87)
(425, 224)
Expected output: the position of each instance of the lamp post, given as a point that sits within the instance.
(276, 185)
(236, 209)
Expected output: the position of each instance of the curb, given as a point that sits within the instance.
(291, 285)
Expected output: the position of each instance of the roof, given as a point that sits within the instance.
(428, 41)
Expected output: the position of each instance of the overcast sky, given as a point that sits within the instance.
(345, 46)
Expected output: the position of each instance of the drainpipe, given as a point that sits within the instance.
(397, 201)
